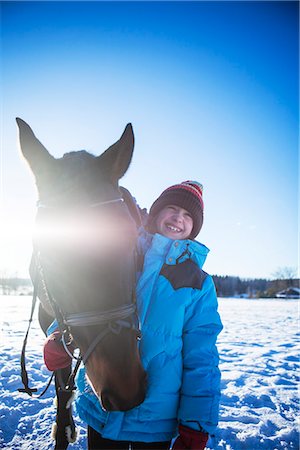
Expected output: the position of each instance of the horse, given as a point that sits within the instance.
(83, 271)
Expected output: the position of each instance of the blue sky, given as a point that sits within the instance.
(211, 89)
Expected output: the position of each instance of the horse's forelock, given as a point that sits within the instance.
(74, 163)
(81, 154)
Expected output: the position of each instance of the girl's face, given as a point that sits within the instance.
(174, 222)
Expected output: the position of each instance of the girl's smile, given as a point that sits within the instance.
(174, 222)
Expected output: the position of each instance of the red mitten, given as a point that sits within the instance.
(55, 356)
(189, 439)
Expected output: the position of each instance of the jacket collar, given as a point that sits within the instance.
(172, 250)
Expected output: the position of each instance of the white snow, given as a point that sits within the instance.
(259, 355)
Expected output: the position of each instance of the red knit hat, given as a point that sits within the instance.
(187, 195)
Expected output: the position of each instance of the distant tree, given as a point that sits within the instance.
(11, 284)
(285, 273)
(3, 282)
(228, 286)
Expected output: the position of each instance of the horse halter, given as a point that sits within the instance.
(113, 320)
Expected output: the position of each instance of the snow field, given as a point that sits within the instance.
(259, 359)
(259, 354)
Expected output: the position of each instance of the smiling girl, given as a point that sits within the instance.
(177, 307)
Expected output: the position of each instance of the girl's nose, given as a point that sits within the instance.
(178, 217)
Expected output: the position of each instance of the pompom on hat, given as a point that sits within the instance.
(187, 195)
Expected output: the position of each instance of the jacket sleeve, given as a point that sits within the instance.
(200, 393)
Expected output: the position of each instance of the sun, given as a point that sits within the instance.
(15, 244)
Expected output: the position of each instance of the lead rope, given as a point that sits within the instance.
(70, 385)
(24, 374)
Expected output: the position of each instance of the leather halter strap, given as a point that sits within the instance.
(24, 375)
(113, 319)
(87, 319)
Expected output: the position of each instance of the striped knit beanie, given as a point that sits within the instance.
(187, 195)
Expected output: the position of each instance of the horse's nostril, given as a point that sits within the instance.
(105, 403)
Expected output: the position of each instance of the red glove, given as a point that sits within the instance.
(55, 356)
(189, 439)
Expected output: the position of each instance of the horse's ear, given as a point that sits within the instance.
(116, 159)
(34, 152)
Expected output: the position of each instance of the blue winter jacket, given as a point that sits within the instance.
(177, 307)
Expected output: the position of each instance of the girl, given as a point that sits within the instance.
(177, 308)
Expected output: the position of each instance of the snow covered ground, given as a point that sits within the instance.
(259, 354)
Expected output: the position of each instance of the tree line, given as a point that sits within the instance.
(226, 286)
(15, 285)
(229, 286)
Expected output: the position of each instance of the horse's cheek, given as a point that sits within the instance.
(95, 373)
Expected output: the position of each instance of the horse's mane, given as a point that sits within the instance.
(132, 206)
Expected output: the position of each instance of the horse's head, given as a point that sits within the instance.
(85, 244)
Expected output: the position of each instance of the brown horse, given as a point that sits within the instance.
(84, 253)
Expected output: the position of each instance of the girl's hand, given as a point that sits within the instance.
(189, 439)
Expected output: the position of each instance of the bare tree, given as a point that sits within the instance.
(285, 273)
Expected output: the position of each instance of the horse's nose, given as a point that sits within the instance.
(111, 402)
(106, 402)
